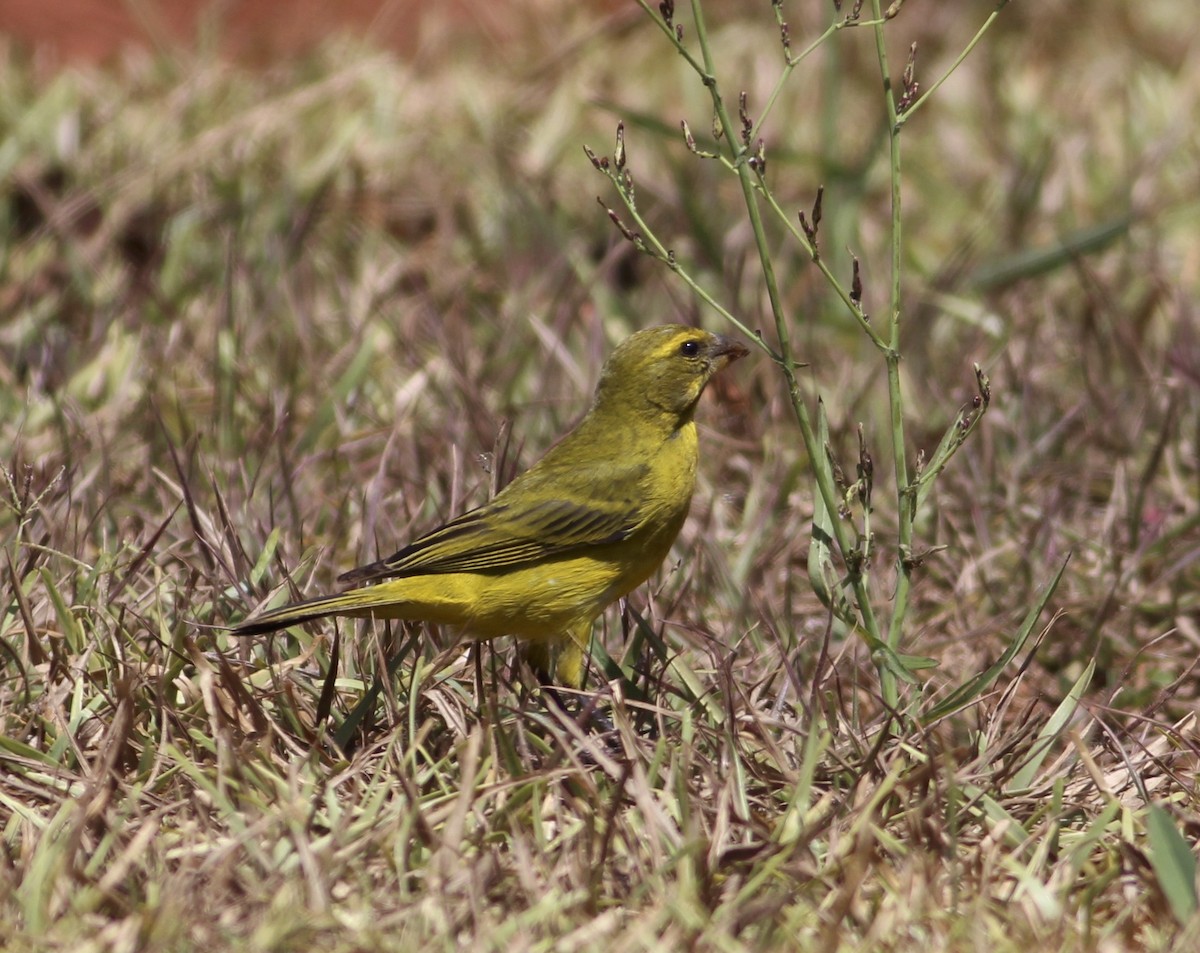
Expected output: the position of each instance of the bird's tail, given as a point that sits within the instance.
(355, 602)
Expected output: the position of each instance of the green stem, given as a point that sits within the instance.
(859, 315)
(892, 360)
(784, 76)
(646, 241)
(987, 25)
(825, 486)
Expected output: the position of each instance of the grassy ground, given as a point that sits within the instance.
(258, 327)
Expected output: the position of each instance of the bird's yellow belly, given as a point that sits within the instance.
(541, 601)
(537, 602)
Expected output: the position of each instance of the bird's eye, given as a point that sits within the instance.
(689, 348)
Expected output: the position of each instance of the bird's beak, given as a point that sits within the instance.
(727, 350)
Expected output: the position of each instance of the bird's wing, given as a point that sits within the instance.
(514, 530)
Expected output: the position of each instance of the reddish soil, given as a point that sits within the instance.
(60, 32)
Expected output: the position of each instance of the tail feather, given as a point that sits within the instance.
(356, 602)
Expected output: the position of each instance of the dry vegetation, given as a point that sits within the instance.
(259, 326)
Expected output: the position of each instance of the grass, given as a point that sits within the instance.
(259, 326)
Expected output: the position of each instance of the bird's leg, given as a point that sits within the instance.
(569, 671)
(572, 670)
(540, 657)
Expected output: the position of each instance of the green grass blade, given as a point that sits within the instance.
(968, 692)
(1173, 862)
(1057, 724)
(1038, 261)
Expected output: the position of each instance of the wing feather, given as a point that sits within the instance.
(517, 529)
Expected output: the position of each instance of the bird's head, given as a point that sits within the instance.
(663, 370)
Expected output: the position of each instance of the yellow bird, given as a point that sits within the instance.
(585, 525)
